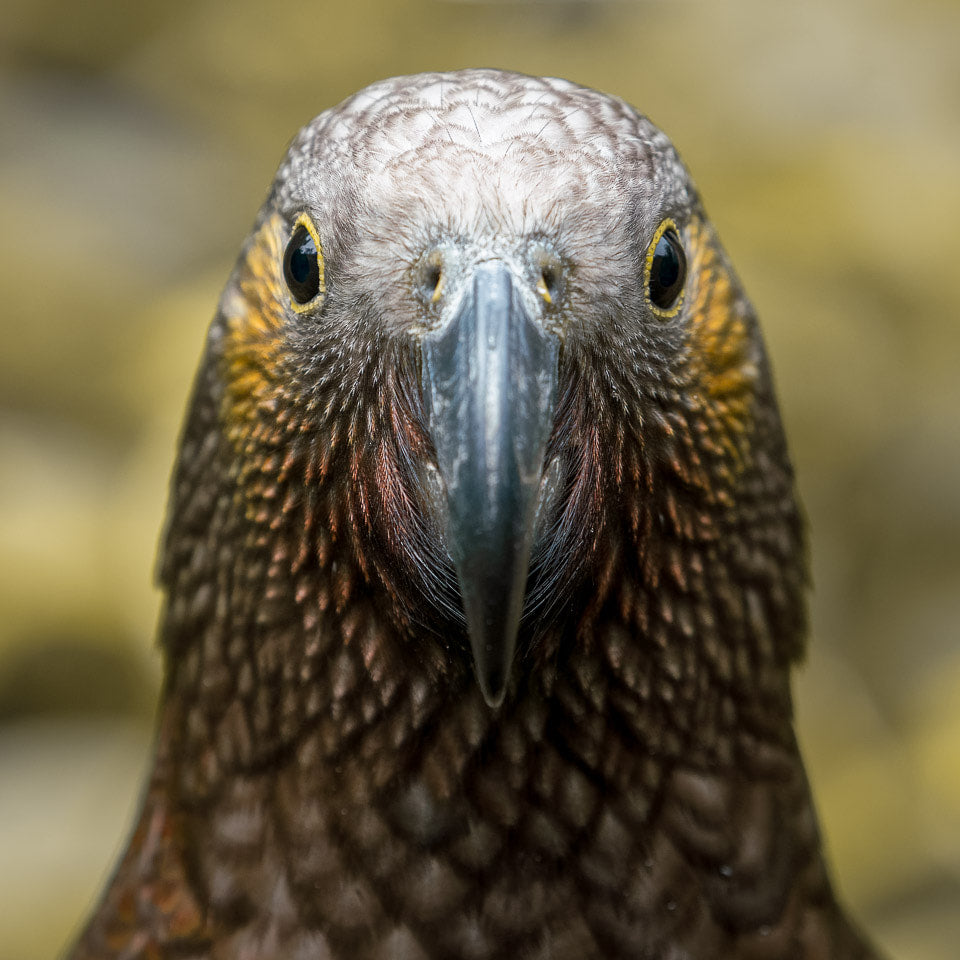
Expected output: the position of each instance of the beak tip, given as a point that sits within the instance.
(493, 641)
(493, 686)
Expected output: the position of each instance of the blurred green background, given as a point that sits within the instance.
(136, 143)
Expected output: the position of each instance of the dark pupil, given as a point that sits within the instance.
(301, 260)
(300, 266)
(667, 270)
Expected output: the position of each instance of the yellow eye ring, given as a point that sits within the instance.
(665, 271)
(303, 265)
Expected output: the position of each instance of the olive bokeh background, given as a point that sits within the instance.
(136, 143)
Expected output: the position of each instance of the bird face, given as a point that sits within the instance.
(481, 351)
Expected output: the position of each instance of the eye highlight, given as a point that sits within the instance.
(666, 270)
(303, 264)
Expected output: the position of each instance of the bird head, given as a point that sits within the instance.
(482, 379)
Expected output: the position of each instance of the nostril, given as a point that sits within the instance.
(433, 280)
(550, 274)
(429, 276)
(548, 284)
(550, 280)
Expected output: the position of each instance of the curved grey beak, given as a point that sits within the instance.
(490, 384)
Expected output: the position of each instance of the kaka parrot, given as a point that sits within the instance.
(483, 572)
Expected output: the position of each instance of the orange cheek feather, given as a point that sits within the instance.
(254, 316)
(720, 348)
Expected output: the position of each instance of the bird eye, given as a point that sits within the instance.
(303, 262)
(666, 269)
